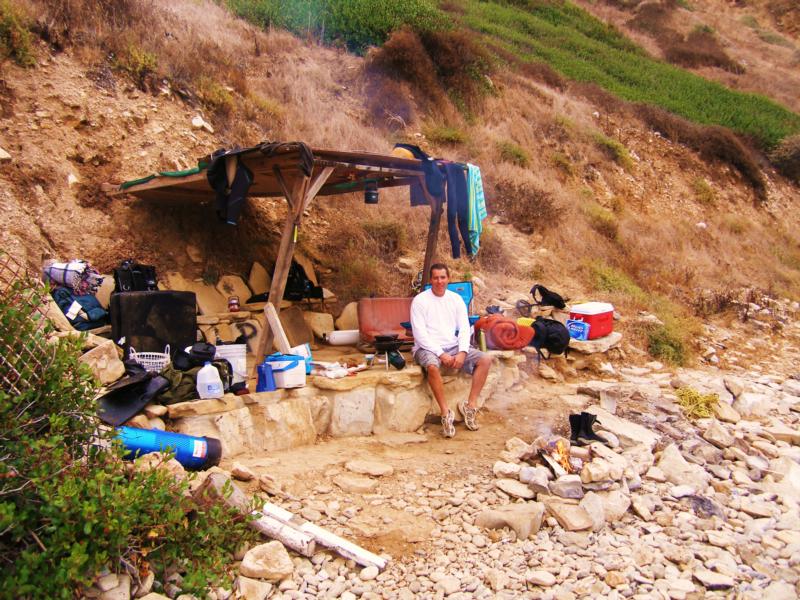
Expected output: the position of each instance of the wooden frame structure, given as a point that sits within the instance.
(299, 174)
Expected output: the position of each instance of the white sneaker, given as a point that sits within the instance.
(469, 415)
(448, 429)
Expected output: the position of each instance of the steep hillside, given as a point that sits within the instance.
(583, 194)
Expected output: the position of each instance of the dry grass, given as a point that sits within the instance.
(786, 157)
(528, 207)
(711, 141)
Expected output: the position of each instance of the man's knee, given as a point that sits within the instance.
(432, 369)
(485, 361)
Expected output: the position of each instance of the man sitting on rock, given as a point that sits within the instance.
(441, 339)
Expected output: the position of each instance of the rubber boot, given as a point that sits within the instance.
(575, 427)
(586, 434)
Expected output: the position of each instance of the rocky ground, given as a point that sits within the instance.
(674, 508)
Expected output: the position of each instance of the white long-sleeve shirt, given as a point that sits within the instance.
(439, 322)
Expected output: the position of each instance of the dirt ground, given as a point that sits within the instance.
(424, 459)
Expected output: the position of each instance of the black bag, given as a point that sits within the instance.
(130, 276)
(299, 286)
(550, 335)
(199, 354)
(547, 297)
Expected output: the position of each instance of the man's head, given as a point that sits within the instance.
(440, 277)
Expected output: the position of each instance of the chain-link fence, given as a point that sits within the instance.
(23, 357)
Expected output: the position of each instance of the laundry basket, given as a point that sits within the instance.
(151, 361)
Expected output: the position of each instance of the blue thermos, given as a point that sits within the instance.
(194, 453)
(266, 380)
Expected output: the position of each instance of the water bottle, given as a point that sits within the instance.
(209, 384)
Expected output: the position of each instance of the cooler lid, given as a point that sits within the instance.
(592, 308)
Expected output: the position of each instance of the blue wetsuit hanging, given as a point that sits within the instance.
(457, 209)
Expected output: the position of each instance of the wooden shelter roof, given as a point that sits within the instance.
(351, 172)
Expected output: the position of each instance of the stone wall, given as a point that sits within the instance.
(373, 401)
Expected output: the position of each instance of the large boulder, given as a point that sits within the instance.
(349, 317)
(525, 518)
(678, 471)
(104, 362)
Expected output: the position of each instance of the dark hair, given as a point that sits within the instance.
(439, 267)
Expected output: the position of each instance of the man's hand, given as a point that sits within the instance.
(447, 360)
(458, 360)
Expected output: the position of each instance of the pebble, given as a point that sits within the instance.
(368, 573)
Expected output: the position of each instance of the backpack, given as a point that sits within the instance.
(130, 276)
(299, 286)
(547, 297)
(183, 384)
(550, 335)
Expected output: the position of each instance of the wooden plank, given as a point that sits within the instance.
(162, 181)
(284, 188)
(433, 233)
(278, 334)
(370, 168)
(324, 537)
(315, 187)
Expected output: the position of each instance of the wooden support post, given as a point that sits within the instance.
(299, 199)
(433, 233)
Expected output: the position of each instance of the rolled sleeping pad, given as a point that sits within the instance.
(193, 452)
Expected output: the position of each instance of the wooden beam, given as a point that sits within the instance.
(433, 232)
(283, 261)
(370, 168)
(282, 182)
(316, 186)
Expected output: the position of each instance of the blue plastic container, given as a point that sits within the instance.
(578, 330)
(291, 373)
(194, 453)
(266, 380)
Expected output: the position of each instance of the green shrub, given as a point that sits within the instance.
(513, 153)
(615, 149)
(750, 21)
(773, 38)
(582, 48)
(703, 191)
(672, 341)
(602, 220)
(15, 37)
(215, 96)
(138, 63)
(609, 279)
(68, 508)
(562, 162)
(356, 23)
(443, 134)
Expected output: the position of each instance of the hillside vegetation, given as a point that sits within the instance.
(609, 172)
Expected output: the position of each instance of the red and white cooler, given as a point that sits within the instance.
(599, 316)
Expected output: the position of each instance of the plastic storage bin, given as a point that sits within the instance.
(599, 316)
(303, 350)
(288, 370)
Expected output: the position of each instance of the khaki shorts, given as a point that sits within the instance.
(426, 358)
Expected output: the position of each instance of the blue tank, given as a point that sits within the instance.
(194, 453)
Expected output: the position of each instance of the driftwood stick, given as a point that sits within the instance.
(326, 538)
(215, 488)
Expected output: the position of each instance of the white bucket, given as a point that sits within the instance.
(236, 354)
